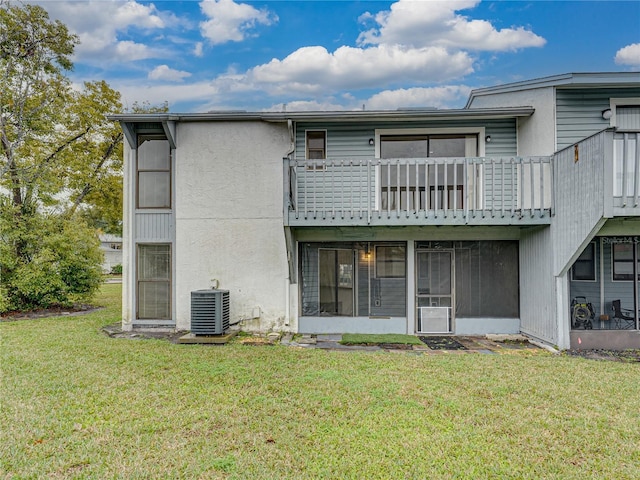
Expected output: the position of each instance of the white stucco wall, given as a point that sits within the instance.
(229, 220)
(536, 134)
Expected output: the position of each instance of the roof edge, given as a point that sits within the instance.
(604, 79)
(327, 116)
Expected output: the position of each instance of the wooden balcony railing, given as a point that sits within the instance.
(418, 191)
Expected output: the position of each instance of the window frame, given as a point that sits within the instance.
(614, 103)
(478, 132)
(169, 171)
(624, 277)
(307, 149)
(168, 281)
(592, 246)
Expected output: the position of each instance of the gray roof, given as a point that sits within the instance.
(566, 80)
(328, 116)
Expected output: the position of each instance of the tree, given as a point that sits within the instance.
(59, 155)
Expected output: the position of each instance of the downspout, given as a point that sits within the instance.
(287, 283)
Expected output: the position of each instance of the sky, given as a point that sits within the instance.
(211, 55)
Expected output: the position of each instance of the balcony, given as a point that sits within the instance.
(418, 191)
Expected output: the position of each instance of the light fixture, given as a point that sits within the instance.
(487, 139)
(371, 142)
(607, 114)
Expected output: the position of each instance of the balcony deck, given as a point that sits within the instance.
(419, 191)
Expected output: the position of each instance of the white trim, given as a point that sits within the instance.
(622, 102)
(480, 131)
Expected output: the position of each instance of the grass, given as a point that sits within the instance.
(77, 404)
(376, 339)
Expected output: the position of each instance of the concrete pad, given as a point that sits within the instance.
(326, 337)
(207, 339)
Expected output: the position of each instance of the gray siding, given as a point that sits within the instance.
(352, 141)
(537, 288)
(579, 112)
(153, 227)
(581, 198)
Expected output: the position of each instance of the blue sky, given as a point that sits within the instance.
(332, 55)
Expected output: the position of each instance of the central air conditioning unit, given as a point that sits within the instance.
(209, 312)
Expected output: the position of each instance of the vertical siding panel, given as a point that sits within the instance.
(537, 289)
(153, 227)
(580, 198)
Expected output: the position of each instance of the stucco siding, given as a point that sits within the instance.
(536, 134)
(229, 220)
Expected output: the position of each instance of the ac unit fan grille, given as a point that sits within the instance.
(209, 312)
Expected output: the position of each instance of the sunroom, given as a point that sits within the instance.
(414, 287)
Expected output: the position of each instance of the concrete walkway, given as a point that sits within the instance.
(490, 344)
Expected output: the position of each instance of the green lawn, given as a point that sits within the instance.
(77, 404)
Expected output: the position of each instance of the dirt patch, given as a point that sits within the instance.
(631, 356)
(115, 331)
(48, 312)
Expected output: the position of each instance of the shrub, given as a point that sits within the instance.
(47, 261)
(116, 269)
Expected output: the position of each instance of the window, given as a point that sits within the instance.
(390, 261)
(422, 146)
(623, 261)
(316, 145)
(154, 281)
(153, 172)
(625, 114)
(584, 268)
(628, 118)
(403, 186)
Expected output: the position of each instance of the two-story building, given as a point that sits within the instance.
(496, 218)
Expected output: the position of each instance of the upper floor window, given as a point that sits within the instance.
(153, 169)
(316, 145)
(422, 146)
(625, 113)
(628, 117)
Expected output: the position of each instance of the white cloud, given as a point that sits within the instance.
(307, 106)
(629, 55)
(198, 50)
(155, 94)
(434, 23)
(438, 97)
(416, 42)
(231, 22)
(99, 23)
(312, 70)
(163, 72)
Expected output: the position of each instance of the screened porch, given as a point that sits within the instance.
(604, 284)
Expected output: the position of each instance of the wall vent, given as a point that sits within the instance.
(209, 312)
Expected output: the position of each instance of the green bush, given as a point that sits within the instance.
(116, 269)
(47, 261)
